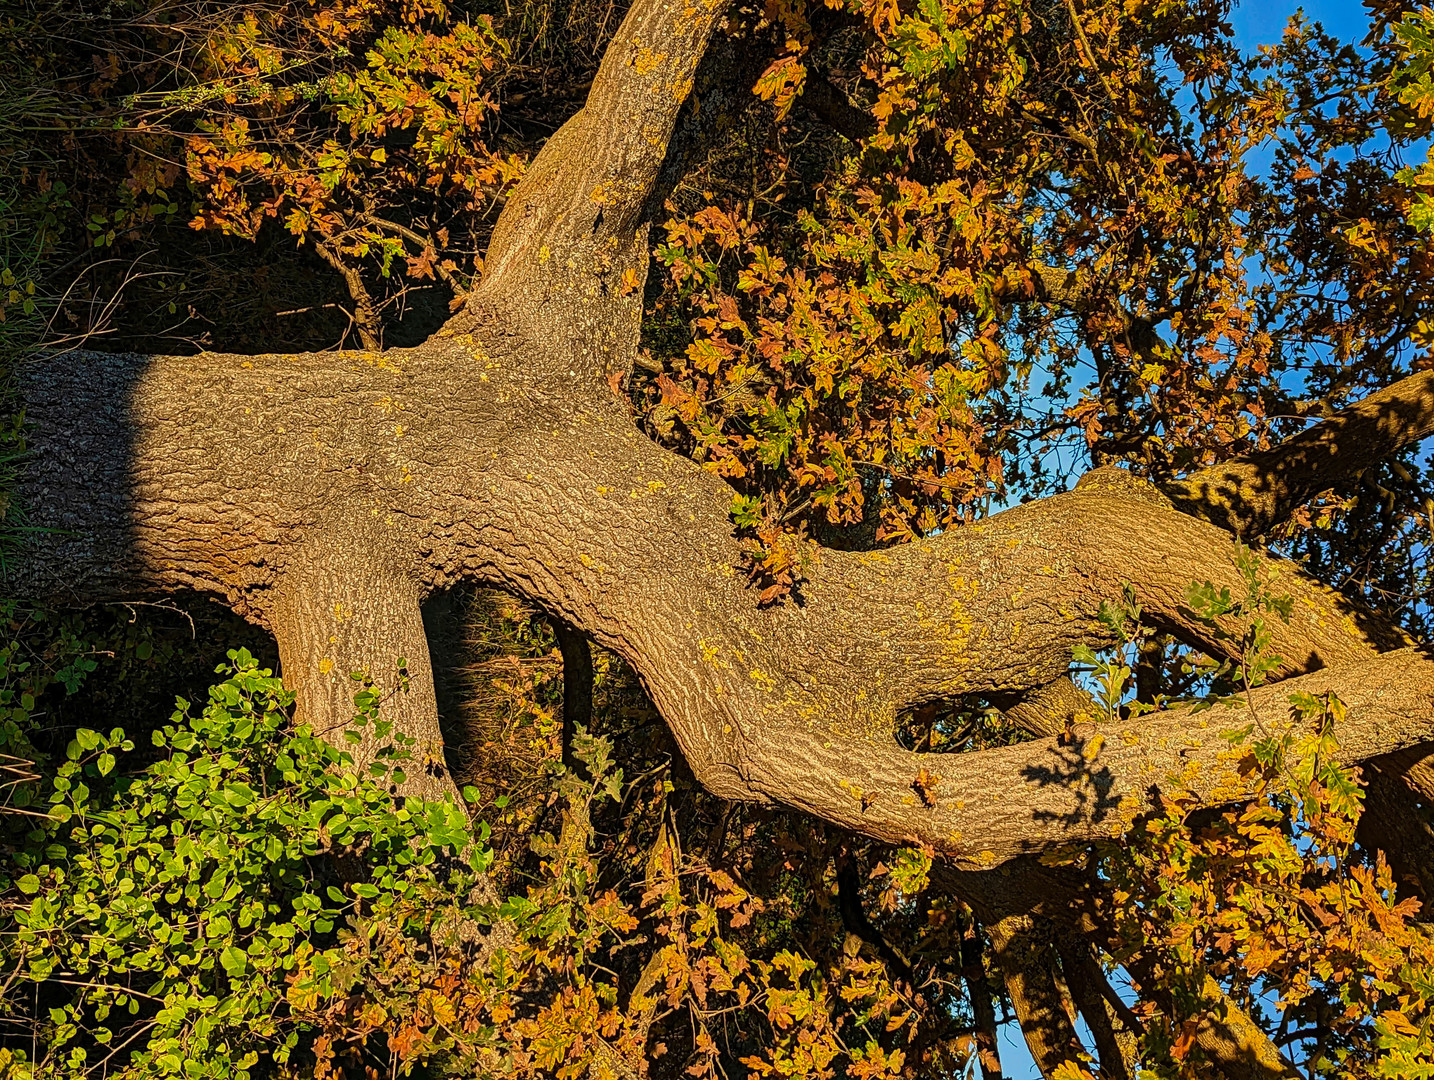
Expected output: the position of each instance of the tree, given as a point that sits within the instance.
(325, 496)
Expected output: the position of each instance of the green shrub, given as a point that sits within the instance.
(158, 919)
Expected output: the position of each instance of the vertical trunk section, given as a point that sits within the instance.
(577, 684)
(1028, 964)
(342, 610)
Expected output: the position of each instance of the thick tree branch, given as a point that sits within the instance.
(470, 469)
(1399, 825)
(1228, 1036)
(1045, 794)
(326, 496)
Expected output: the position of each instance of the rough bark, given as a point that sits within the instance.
(1052, 709)
(459, 463)
(342, 598)
(1235, 1043)
(298, 488)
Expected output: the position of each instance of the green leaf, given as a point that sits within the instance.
(234, 961)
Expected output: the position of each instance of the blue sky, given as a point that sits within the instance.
(1261, 23)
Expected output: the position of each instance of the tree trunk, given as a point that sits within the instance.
(325, 496)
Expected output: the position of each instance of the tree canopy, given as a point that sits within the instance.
(791, 536)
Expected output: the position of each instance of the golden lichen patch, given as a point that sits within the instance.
(1091, 750)
(955, 631)
(647, 60)
(384, 362)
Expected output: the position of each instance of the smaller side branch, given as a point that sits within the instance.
(365, 317)
(1251, 495)
(424, 243)
(983, 1008)
(1027, 960)
(856, 921)
(993, 805)
(1115, 1048)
